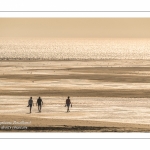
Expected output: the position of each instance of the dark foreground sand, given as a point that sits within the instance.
(66, 125)
(107, 95)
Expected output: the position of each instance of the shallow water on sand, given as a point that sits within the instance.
(124, 110)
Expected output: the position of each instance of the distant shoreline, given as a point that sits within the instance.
(43, 59)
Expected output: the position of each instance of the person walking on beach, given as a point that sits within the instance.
(39, 103)
(30, 103)
(68, 102)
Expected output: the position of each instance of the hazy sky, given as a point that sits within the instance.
(75, 27)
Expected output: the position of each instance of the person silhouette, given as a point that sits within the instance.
(68, 102)
(30, 103)
(40, 103)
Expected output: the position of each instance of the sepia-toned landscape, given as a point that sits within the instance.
(107, 80)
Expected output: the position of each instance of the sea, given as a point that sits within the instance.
(73, 49)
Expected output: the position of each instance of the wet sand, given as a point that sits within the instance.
(107, 95)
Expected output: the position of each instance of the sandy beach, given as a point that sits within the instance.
(107, 95)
